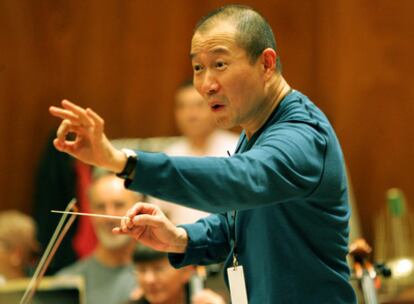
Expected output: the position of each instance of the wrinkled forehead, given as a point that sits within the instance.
(220, 37)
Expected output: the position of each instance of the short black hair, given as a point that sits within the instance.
(254, 33)
(143, 254)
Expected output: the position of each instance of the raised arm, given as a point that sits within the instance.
(286, 165)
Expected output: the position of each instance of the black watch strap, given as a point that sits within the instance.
(130, 165)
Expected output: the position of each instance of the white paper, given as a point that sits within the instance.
(237, 284)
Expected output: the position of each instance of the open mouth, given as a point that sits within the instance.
(217, 107)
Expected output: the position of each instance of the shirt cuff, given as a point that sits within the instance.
(196, 248)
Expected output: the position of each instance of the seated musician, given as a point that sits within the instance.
(18, 245)
(160, 283)
(108, 272)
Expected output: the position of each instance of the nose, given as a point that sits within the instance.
(209, 85)
(148, 277)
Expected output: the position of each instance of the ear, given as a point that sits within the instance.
(16, 258)
(269, 63)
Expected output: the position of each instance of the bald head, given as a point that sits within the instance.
(108, 196)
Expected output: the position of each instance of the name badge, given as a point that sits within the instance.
(237, 284)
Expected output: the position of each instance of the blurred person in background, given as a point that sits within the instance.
(160, 283)
(108, 272)
(18, 245)
(200, 137)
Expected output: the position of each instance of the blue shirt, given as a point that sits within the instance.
(288, 185)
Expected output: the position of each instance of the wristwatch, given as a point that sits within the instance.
(128, 172)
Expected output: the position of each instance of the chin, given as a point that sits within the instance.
(224, 123)
(111, 241)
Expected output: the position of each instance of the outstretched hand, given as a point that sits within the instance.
(90, 144)
(148, 224)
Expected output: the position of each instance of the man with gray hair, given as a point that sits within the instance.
(108, 272)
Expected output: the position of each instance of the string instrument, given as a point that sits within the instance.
(57, 237)
(367, 273)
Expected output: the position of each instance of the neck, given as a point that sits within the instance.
(199, 143)
(114, 257)
(275, 91)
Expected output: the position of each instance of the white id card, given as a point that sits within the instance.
(237, 284)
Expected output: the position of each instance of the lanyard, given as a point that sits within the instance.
(239, 146)
(235, 260)
(233, 235)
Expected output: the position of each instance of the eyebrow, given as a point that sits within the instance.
(216, 50)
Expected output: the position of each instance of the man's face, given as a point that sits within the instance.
(14, 258)
(192, 114)
(161, 282)
(108, 196)
(225, 76)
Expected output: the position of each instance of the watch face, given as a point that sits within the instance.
(129, 152)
